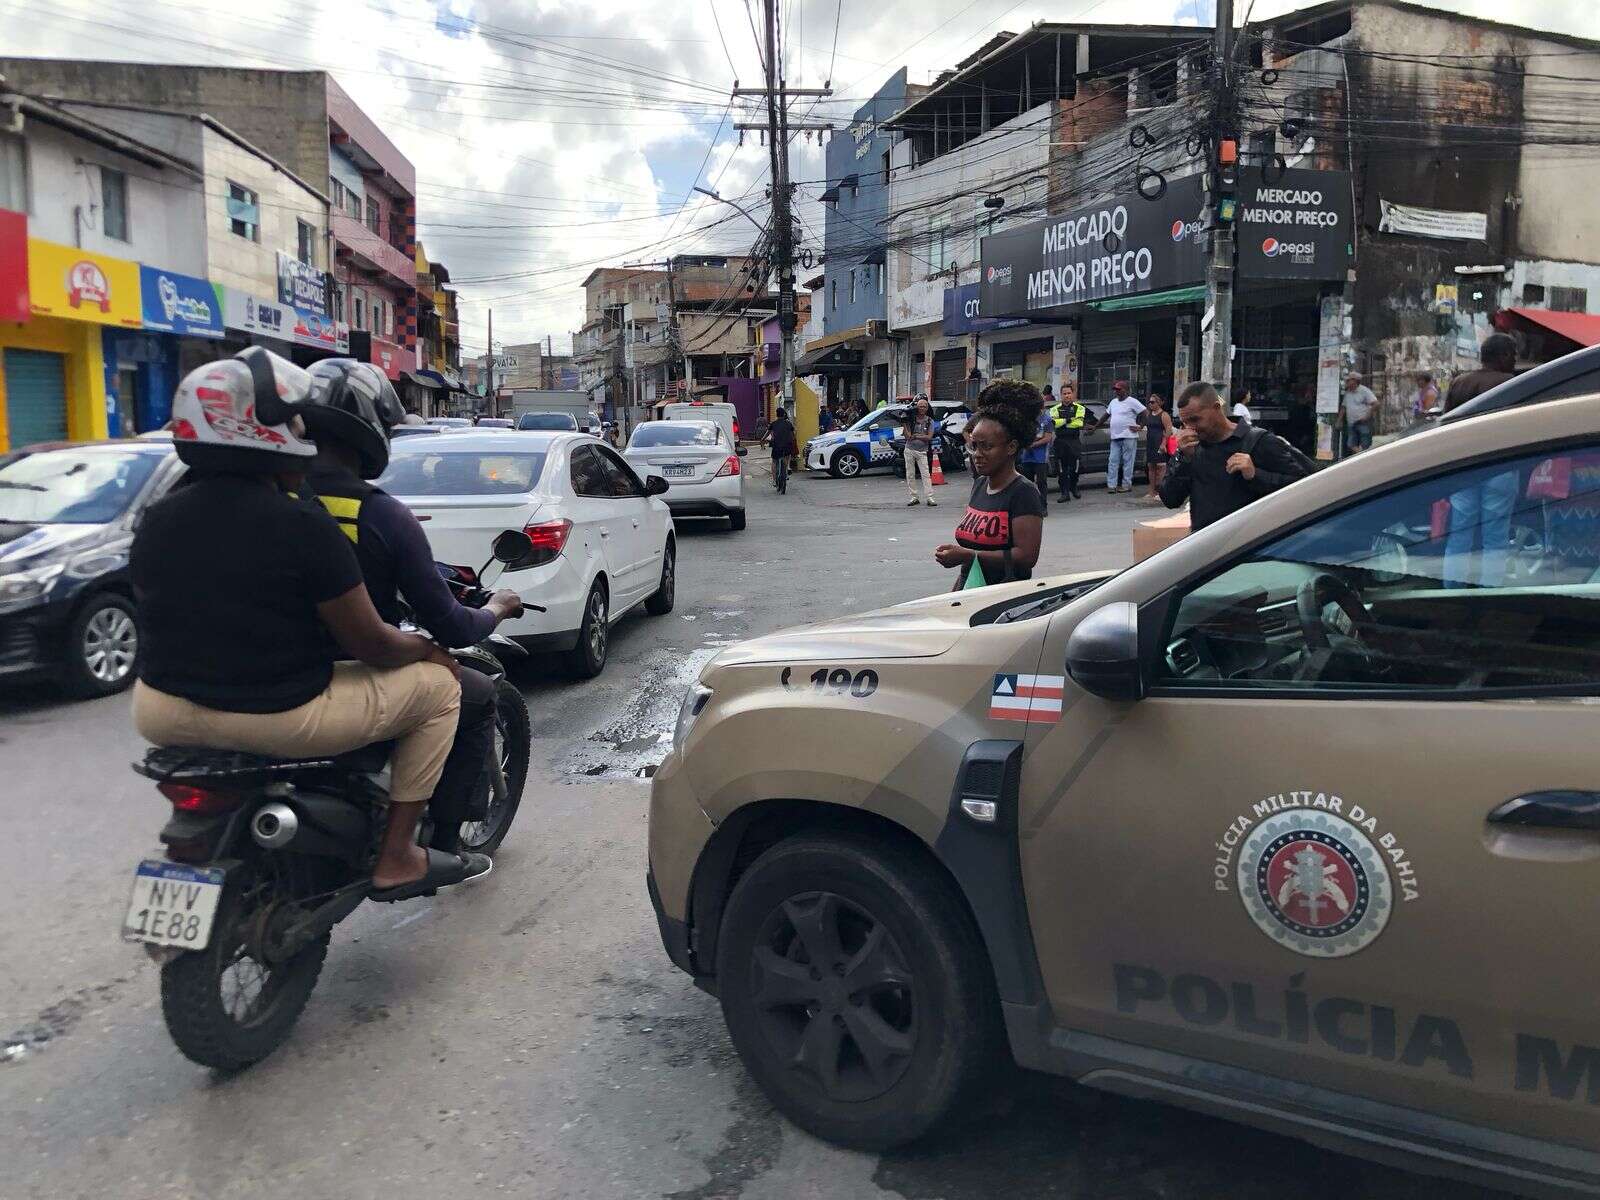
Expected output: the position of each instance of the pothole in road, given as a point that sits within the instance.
(632, 746)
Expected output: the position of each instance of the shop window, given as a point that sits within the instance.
(372, 214)
(1569, 299)
(114, 203)
(306, 242)
(13, 173)
(244, 211)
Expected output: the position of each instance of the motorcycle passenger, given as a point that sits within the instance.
(349, 414)
(238, 586)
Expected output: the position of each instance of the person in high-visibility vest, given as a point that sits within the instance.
(1070, 419)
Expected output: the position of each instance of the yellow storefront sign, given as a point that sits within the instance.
(76, 285)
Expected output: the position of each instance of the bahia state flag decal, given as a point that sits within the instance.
(1026, 697)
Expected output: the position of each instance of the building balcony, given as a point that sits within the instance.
(368, 251)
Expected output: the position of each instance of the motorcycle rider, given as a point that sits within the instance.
(349, 414)
(239, 586)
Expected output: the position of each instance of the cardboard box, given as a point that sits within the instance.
(1151, 536)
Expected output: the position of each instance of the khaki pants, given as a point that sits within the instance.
(417, 705)
(917, 469)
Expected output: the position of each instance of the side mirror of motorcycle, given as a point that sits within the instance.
(512, 547)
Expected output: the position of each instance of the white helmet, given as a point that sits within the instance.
(241, 414)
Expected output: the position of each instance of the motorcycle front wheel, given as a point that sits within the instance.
(513, 744)
(227, 1006)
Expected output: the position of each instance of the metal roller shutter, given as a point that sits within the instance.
(1114, 340)
(949, 374)
(36, 397)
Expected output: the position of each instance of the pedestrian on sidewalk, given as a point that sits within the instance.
(998, 538)
(1068, 417)
(1499, 357)
(1223, 465)
(780, 436)
(919, 445)
(1123, 415)
(1157, 424)
(1358, 405)
(1035, 460)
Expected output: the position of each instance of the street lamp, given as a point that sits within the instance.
(731, 204)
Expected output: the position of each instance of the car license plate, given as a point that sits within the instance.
(677, 471)
(173, 905)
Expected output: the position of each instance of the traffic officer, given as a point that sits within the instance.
(1068, 417)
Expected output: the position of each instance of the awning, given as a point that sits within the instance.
(835, 357)
(855, 333)
(435, 379)
(420, 378)
(1183, 295)
(1583, 328)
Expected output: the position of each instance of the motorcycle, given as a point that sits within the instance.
(264, 856)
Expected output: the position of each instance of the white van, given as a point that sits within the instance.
(723, 413)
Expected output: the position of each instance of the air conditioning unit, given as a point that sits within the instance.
(877, 329)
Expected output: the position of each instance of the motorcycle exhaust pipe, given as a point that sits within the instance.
(274, 826)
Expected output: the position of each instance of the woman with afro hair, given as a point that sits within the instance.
(998, 538)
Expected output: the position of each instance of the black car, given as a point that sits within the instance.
(67, 516)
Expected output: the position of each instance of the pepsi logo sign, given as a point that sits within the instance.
(1300, 251)
(1000, 275)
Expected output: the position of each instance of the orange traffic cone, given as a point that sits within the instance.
(937, 471)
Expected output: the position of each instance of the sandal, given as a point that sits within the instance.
(443, 870)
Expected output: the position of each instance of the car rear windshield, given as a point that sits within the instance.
(432, 472)
(675, 433)
(72, 487)
(564, 421)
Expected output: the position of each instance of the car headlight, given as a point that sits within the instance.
(22, 588)
(694, 702)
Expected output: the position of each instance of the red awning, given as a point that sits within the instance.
(1583, 328)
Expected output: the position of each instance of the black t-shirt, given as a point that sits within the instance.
(781, 431)
(227, 575)
(987, 523)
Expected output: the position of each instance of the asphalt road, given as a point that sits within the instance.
(528, 1035)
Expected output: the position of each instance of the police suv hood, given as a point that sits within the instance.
(922, 628)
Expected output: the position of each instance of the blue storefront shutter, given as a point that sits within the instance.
(36, 397)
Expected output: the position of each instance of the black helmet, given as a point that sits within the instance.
(353, 403)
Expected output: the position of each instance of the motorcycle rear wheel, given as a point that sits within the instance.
(513, 745)
(223, 1007)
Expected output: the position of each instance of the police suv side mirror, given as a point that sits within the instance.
(1103, 653)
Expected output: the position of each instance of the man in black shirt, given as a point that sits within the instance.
(1222, 465)
(349, 414)
(781, 436)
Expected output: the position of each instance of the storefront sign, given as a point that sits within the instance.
(251, 314)
(1122, 247)
(13, 266)
(64, 281)
(1433, 222)
(179, 304)
(1297, 226)
(303, 287)
(961, 312)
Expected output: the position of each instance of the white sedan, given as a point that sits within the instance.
(602, 538)
(699, 462)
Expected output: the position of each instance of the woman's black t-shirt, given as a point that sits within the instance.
(987, 523)
(227, 575)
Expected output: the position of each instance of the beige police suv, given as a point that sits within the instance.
(1297, 822)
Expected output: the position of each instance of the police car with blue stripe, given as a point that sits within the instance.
(869, 443)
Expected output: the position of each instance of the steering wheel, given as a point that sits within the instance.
(1315, 594)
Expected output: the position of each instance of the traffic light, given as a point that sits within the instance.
(1225, 181)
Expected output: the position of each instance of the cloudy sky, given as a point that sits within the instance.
(552, 136)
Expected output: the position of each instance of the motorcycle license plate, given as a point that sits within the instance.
(677, 471)
(173, 905)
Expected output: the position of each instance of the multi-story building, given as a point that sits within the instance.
(305, 121)
(435, 387)
(853, 354)
(144, 261)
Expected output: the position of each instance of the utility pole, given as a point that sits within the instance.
(1217, 339)
(489, 359)
(675, 347)
(782, 222)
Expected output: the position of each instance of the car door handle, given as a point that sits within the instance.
(605, 533)
(1558, 809)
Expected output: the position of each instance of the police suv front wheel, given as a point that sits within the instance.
(856, 989)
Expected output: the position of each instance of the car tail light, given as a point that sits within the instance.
(731, 467)
(736, 430)
(186, 797)
(548, 539)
